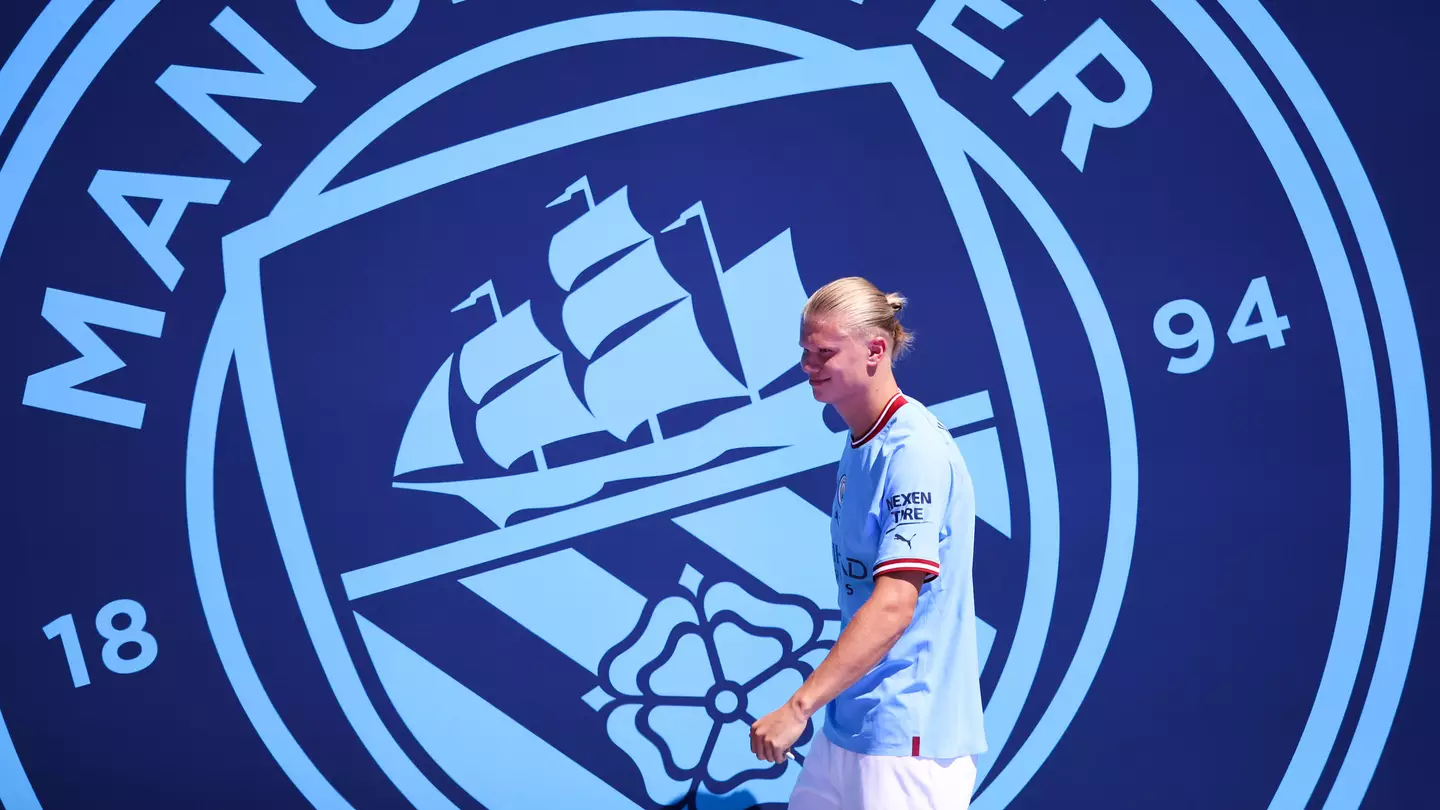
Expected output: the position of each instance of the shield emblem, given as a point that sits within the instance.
(567, 532)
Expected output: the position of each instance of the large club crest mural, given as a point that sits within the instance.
(407, 407)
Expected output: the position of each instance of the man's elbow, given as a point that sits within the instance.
(897, 609)
(901, 613)
(897, 595)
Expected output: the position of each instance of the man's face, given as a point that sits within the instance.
(838, 364)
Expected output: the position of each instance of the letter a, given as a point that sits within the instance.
(72, 315)
(1062, 77)
(110, 188)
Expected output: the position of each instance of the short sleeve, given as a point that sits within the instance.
(912, 512)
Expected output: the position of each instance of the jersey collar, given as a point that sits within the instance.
(885, 414)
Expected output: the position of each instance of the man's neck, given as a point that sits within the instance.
(861, 412)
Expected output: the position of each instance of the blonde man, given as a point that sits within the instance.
(901, 686)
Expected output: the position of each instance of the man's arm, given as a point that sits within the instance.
(874, 629)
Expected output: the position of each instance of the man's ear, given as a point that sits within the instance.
(875, 350)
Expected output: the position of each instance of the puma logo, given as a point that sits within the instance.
(906, 540)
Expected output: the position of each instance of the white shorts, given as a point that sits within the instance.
(834, 778)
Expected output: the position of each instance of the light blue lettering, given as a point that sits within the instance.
(939, 27)
(72, 315)
(1201, 335)
(133, 633)
(194, 88)
(342, 33)
(64, 627)
(1062, 77)
(109, 190)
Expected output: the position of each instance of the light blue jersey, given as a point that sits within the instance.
(904, 501)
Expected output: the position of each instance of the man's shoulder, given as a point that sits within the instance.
(917, 431)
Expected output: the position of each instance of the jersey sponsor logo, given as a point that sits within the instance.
(848, 567)
(907, 506)
(908, 499)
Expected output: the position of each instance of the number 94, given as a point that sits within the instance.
(1201, 335)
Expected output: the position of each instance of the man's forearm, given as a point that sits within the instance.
(869, 636)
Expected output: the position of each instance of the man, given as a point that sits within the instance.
(901, 685)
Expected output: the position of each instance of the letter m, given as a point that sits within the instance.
(194, 88)
(72, 315)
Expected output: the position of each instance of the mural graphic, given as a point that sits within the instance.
(413, 404)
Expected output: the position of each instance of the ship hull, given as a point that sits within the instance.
(789, 417)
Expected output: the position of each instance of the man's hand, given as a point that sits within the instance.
(875, 628)
(772, 735)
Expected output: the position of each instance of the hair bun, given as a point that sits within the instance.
(896, 301)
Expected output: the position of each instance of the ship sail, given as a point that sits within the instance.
(508, 427)
(671, 355)
(540, 409)
(429, 440)
(512, 343)
(763, 297)
(602, 231)
(631, 287)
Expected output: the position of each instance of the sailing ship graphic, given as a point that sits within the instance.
(663, 365)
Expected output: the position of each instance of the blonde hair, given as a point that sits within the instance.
(859, 306)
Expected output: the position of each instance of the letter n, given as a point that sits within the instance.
(194, 88)
(72, 315)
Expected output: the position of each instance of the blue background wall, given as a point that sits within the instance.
(1199, 589)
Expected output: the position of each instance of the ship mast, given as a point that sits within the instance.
(583, 186)
(488, 290)
(697, 211)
